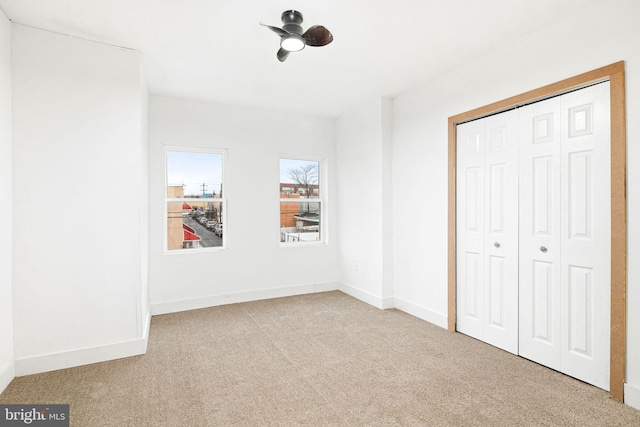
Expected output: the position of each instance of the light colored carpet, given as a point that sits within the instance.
(319, 359)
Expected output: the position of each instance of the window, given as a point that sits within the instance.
(194, 199)
(300, 202)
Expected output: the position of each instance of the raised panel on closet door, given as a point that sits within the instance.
(539, 266)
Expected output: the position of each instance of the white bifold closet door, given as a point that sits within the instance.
(487, 230)
(558, 299)
(565, 234)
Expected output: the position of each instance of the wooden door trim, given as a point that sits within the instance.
(614, 73)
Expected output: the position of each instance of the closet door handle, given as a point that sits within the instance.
(496, 244)
(543, 249)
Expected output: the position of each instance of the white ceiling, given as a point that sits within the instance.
(214, 50)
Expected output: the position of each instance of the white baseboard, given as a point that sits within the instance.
(82, 356)
(420, 312)
(364, 296)
(632, 395)
(215, 300)
(7, 374)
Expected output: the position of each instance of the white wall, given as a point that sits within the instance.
(601, 34)
(7, 367)
(254, 266)
(144, 314)
(364, 203)
(78, 206)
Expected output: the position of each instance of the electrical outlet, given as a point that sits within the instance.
(355, 266)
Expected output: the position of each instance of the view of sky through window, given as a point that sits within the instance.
(200, 174)
(287, 164)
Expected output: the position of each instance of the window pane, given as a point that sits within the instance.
(194, 224)
(299, 221)
(194, 175)
(194, 221)
(299, 178)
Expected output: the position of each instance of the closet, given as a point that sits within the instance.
(533, 232)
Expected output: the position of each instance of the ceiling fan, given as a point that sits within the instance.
(292, 39)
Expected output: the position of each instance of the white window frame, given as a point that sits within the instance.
(190, 200)
(321, 199)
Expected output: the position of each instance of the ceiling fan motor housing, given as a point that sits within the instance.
(292, 20)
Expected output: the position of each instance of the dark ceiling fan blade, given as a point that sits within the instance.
(317, 35)
(282, 54)
(278, 31)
